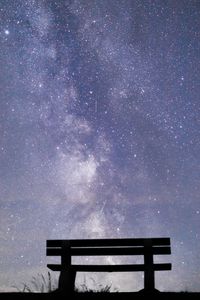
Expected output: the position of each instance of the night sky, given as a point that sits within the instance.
(99, 131)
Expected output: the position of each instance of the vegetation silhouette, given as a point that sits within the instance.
(39, 283)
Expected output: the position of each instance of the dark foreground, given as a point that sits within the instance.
(103, 296)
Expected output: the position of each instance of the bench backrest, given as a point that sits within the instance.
(96, 247)
(107, 247)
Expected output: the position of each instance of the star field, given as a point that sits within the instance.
(99, 131)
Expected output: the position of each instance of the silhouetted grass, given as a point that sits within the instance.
(47, 284)
(39, 283)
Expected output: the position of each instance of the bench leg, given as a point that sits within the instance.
(66, 282)
(149, 280)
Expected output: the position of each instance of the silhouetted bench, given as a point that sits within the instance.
(148, 247)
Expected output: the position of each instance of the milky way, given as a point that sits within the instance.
(99, 131)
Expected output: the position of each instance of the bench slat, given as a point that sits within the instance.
(110, 242)
(113, 268)
(103, 251)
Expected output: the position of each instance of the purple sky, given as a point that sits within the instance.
(99, 131)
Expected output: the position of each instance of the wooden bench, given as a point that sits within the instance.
(148, 247)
